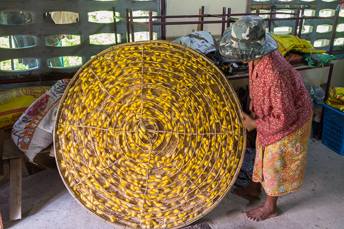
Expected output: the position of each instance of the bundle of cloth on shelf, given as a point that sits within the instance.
(13, 102)
(319, 59)
(33, 131)
(336, 98)
(288, 43)
(297, 50)
(205, 43)
(200, 41)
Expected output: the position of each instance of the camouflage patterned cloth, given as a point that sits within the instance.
(247, 40)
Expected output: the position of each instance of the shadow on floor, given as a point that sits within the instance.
(38, 190)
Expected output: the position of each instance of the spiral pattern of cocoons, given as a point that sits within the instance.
(149, 135)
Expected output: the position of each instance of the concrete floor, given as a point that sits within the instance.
(319, 204)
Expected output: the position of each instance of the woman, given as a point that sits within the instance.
(281, 112)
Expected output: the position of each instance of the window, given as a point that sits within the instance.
(340, 28)
(62, 40)
(144, 36)
(339, 41)
(341, 13)
(61, 17)
(18, 41)
(283, 30)
(263, 13)
(307, 29)
(65, 39)
(15, 17)
(326, 13)
(103, 16)
(286, 13)
(321, 43)
(138, 13)
(309, 12)
(324, 28)
(104, 39)
(64, 62)
(19, 65)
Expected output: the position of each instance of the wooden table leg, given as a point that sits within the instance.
(15, 189)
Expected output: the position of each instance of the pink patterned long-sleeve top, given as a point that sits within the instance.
(279, 98)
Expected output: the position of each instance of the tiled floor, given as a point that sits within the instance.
(319, 204)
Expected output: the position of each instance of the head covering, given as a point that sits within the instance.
(247, 40)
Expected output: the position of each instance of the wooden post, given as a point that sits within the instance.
(327, 93)
(163, 19)
(150, 25)
(115, 24)
(132, 26)
(223, 23)
(15, 188)
(128, 26)
(334, 29)
(301, 21)
(270, 19)
(297, 14)
(229, 18)
(200, 26)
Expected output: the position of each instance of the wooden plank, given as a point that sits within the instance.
(15, 189)
(2, 135)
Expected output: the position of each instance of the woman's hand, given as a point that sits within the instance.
(249, 123)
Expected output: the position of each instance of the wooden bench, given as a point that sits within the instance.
(9, 152)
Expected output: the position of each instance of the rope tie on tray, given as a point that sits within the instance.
(149, 135)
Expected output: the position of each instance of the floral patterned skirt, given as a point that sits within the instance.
(280, 167)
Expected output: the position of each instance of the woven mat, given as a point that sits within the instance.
(149, 135)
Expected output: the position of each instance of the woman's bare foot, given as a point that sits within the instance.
(261, 213)
(251, 192)
(266, 211)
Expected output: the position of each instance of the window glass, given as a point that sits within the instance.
(104, 39)
(324, 28)
(64, 62)
(62, 40)
(18, 41)
(62, 17)
(283, 30)
(20, 64)
(103, 16)
(15, 17)
(321, 43)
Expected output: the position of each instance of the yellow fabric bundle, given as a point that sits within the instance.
(336, 98)
(287, 43)
(14, 102)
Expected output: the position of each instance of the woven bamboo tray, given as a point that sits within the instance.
(149, 135)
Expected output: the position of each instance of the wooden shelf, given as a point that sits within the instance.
(244, 74)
